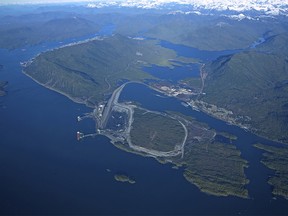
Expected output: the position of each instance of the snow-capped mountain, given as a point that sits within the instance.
(268, 7)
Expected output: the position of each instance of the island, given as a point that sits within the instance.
(124, 178)
(95, 73)
(276, 159)
(226, 136)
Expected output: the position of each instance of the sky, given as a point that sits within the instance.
(40, 1)
(203, 1)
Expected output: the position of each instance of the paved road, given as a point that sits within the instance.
(108, 108)
(113, 102)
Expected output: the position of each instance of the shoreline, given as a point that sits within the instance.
(79, 101)
(130, 148)
(250, 130)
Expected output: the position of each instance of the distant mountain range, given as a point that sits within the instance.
(236, 7)
(268, 7)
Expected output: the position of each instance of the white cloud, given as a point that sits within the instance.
(197, 2)
(39, 1)
(268, 6)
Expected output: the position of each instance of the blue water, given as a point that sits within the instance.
(44, 170)
(261, 200)
(191, 52)
(191, 70)
(186, 70)
(258, 42)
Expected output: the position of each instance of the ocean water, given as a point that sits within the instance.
(45, 170)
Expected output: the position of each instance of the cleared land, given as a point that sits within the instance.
(156, 131)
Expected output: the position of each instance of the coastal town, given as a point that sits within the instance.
(189, 98)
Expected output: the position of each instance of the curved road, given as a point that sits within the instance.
(113, 102)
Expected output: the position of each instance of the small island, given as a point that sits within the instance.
(124, 178)
(229, 136)
(3, 85)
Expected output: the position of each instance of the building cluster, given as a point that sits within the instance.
(175, 91)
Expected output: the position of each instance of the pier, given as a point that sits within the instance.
(86, 115)
(82, 135)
